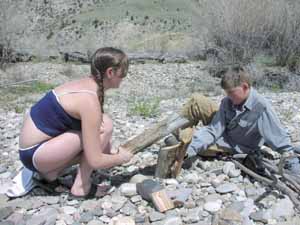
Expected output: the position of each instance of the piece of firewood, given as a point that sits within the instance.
(166, 160)
(156, 132)
(162, 201)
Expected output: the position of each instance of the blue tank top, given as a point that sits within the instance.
(51, 118)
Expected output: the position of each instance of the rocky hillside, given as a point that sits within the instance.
(49, 28)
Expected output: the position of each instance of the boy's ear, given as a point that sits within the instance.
(245, 86)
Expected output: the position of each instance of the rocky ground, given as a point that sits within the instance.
(220, 193)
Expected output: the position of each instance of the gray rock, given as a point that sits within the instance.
(68, 210)
(86, 217)
(226, 188)
(16, 218)
(89, 205)
(191, 178)
(98, 211)
(129, 209)
(205, 165)
(50, 200)
(95, 222)
(176, 220)
(7, 223)
(3, 199)
(192, 216)
(138, 178)
(139, 218)
(261, 216)
(156, 216)
(283, 208)
(5, 212)
(228, 166)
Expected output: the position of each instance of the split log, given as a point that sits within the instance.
(162, 201)
(166, 160)
(156, 132)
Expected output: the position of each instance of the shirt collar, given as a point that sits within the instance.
(250, 100)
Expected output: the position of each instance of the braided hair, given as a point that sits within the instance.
(101, 60)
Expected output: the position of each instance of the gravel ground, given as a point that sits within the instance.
(220, 194)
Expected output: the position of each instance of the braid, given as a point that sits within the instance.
(102, 59)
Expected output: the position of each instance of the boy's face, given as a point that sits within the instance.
(238, 94)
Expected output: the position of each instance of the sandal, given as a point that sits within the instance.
(96, 191)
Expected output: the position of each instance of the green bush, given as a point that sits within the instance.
(144, 107)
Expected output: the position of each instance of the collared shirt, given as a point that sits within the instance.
(243, 129)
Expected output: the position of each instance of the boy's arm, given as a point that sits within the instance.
(273, 132)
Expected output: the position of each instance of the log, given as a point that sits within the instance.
(166, 160)
(162, 201)
(156, 132)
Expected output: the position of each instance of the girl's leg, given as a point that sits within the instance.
(64, 150)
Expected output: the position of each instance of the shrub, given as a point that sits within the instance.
(144, 107)
(241, 29)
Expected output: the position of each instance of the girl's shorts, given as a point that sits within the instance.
(27, 154)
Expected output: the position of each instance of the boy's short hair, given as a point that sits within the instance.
(234, 77)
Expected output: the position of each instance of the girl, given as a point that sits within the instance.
(68, 125)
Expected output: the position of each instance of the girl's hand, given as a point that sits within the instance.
(124, 155)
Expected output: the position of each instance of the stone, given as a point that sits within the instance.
(261, 216)
(226, 188)
(231, 215)
(128, 189)
(86, 217)
(3, 199)
(89, 205)
(283, 208)
(16, 218)
(234, 173)
(136, 198)
(192, 216)
(175, 220)
(50, 200)
(227, 167)
(139, 218)
(129, 209)
(191, 178)
(68, 210)
(123, 220)
(5, 212)
(213, 207)
(205, 165)
(156, 216)
(171, 182)
(95, 222)
(138, 178)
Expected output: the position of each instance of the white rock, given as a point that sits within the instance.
(128, 189)
(213, 206)
(122, 220)
(227, 167)
(68, 210)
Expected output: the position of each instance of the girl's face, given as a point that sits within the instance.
(115, 77)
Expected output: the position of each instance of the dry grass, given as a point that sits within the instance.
(242, 29)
